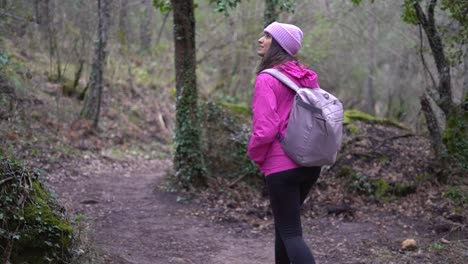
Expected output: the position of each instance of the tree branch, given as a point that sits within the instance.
(430, 12)
(5, 180)
(420, 14)
(427, 21)
(431, 92)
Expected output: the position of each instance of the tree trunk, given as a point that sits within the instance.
(92, 102)
(369, 98)
(37, 11)
(432, 125)
(271, 13)
(123, 26)
(465, 78)
(188, 163)
(161, 29)
(444, 86)
(146, 26)
(326, 3)
(3, 4)
(44, 17)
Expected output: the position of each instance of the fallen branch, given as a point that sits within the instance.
(385, 141)
(237, 180)
(5, 180)
(367, 154)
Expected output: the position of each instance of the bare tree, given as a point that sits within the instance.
(92, 104)
(444, 87)
(123, 26)
(146, 26)
(443, 94)
(369, 93)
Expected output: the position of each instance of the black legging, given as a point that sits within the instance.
(288, 190)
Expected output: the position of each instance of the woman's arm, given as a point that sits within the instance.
(265, 119)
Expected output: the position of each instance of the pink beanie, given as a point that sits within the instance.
(288, 36)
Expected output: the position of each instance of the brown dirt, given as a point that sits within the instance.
(134, 219)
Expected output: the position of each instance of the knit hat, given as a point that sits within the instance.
(288, 36)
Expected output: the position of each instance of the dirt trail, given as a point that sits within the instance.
(134, 221)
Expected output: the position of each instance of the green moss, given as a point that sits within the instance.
(240, 109)
(401, 190)
(353, 129)
(173, 93)
(353, 115)
(378, 188)
(381, 187)
(51, 234)
(142, 76)
(455, 136)
(44, 199)
(32, 221)
(457, 195)
(345, 171)
(133, 118)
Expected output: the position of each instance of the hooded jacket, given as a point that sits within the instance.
(271, 105)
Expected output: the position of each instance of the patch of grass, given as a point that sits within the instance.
(345, 171)
(457, 195)
(35, 152)
(241, 109)
(438, 246)
(378, 188)
(353, 129)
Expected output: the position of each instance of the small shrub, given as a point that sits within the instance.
(345, 172)
(224, 145)
(378, 188)
(455, 137)
(456, 195)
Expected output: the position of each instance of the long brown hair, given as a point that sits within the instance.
(274, 56)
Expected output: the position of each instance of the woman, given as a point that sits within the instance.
(288, 183)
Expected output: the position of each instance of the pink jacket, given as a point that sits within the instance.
(271, 104)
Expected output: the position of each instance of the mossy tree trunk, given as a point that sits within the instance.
(188, 162)
(92, 104)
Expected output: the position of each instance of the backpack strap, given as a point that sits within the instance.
(282, 78)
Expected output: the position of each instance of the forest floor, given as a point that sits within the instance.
(134, 219)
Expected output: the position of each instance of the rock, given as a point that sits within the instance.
(444, 241)
(409, 244)
(176, 260)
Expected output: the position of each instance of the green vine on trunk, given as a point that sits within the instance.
(190, 168)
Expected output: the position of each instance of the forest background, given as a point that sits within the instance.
(371, 55)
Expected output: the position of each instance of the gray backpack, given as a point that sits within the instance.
(315, 125)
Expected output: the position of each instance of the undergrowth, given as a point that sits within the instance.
(34, 228)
